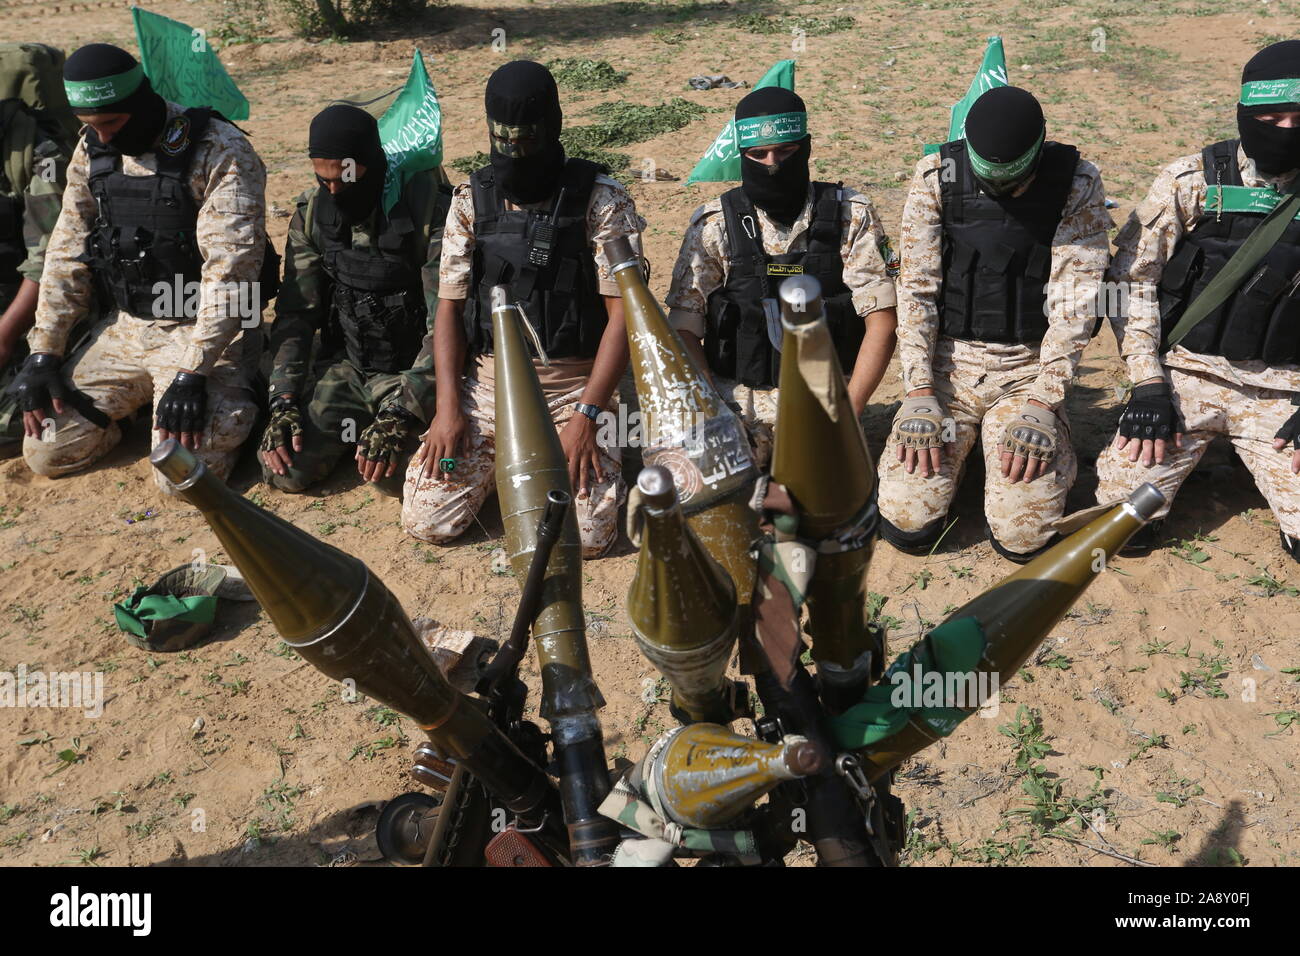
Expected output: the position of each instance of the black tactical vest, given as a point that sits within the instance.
(378, 311)
(145, 229)
(1261, 320)
(545, 259)
(736, 341)
(997, 252)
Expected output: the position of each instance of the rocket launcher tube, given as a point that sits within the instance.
(685, 425)
(821, 458)
(530, 464)
(688, 428)
(989, 637)
(821, 455)
(682, 605)
(341, 619)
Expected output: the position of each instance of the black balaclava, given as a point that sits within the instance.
(347, 132)
(1270, 83)
(524, 122)
(1005, 130)
(102, 78)
(780, 190)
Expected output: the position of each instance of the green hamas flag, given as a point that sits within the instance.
(992, 72)
(411, 131)
(183, 68)
(721, 163)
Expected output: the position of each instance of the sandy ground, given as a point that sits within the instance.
(283, 771)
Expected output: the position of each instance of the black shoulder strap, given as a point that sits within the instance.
(744, 233)
(487, 198)
(826, 231)
(397, 225)
(327, 222)
(578, 179)
(103, 159)
(1057, 170)
(954, 185)
(1219, 160)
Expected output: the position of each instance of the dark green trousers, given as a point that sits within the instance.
(344, 402)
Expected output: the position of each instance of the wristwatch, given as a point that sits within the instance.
(591, 411)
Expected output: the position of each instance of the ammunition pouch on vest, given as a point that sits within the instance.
(997, 252)
(546, 260)
(145, 232)
(1261, 320)
(378, 313)
(736, 341)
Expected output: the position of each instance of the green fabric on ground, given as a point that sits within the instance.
(142, 607)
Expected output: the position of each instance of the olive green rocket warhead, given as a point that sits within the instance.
(341, 619)
(530, 463)
(983, 643)
(681, 603)
(687, 428)
(820, 456)
(706, 776)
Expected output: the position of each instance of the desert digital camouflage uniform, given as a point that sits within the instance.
(345, 398)
(129, 362)
(1248, 401)
(33, 167)
(440, 509)
(701, 269)
(984, 385)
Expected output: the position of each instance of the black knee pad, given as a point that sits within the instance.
(292, 483)
(912, 542)
(1017, 556)
(1145, 540)
(1290, 545)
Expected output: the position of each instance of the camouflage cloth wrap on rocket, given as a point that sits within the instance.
(688, 429)
(989, 637)
(530, 463)
(33, 169)
(695, 782)
(824, 466)
(340, 618)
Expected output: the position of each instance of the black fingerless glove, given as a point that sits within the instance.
(39, 380)
(184, 406)
(1149, 414)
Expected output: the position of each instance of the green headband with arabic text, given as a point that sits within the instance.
(1004, 172)
(770, 130)
(1268, 92)
(105, 91)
